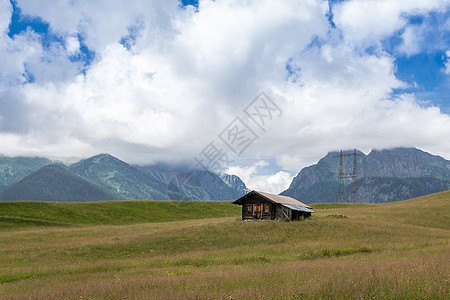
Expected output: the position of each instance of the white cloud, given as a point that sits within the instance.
(447, 62)
(272, 183)
(72, 45)
(245, 172)
(410, 41)
(366, 22)
(189, 74)
(103, 22)
(233, 48)
(5, 16)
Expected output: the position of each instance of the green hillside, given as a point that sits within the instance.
(55, 183)
(120, 178)
(25, 214)
(397, 250)
(13, 169)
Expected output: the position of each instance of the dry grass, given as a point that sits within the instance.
(390, 251)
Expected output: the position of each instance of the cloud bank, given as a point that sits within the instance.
(156, 80)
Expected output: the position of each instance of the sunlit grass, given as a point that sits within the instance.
(387, 251)
(14, 215)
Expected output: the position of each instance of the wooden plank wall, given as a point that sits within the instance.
(249, 214)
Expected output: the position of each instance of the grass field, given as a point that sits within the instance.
(15, 215)
(167, 250)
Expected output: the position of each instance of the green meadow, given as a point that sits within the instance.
(201, 250)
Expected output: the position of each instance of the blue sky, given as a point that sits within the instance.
(424, 74)
(190, 2)
(424, 69)
(166, 78)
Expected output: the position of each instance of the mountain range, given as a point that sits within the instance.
(105, 177)
(383, 176)
(13, 169)
(57, 183)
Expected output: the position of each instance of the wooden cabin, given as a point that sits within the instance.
(264, 206)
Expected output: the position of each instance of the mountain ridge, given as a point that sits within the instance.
(121, 181)
(119, 177)
(383, 176)
(184, 181)
(55, 183)
(14, 169)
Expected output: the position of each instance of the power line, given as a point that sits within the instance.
(352, 175)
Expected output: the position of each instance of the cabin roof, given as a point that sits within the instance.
(298, 208)
(272, 198)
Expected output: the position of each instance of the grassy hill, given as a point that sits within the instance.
(16, 215)
(379, 251)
